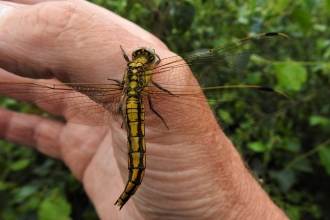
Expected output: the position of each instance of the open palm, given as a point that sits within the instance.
(186, 177)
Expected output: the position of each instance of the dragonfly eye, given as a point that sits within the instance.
(144, 53)
(151, 58)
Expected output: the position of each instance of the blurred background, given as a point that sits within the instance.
(288, 153)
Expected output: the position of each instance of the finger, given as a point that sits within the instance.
(54, 138)
(59, 39)
(131, 27)
(27, 90)
(94, 108)
(10, 4)
(31, 131)
(58, 102)
(37, 45)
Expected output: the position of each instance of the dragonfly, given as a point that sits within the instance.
(160, 93)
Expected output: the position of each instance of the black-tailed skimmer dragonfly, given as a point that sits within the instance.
(154, 90)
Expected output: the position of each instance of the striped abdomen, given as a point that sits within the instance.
(136, 147)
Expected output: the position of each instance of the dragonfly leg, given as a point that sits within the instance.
(124, 54)
(120, 108)
(161, 88)
(123, 116)
(121, 112)
(116, 80)
(152, 109)
(158, 61)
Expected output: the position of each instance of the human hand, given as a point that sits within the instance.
(187, 177)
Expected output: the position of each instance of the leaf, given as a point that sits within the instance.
(292, 145)
(293, 212)
(326, 55)
(290, 76)
(328, 5)
(286, 179)
(20, 164)
(25, 192)
(253, 78)
(319, 120)
(33, 202)
(257, 146)
(225, 116)
(303, 18)
(304, 165)
(54, 207)
(324, 155)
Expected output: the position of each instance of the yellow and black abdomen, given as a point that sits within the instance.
(136, 147)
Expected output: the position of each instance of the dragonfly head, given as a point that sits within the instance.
(144, 56)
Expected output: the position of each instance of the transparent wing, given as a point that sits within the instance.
(219, 72)
(218, 66)
(184, 111)
(181, 100)
(94, 104)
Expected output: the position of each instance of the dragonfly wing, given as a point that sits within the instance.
(181, 112)
(184, 107)
(177, 105)
(226, 64)
(186, 113)
(235, 105)
(232, 62)
(93, 104)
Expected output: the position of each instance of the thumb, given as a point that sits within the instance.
(59, 39)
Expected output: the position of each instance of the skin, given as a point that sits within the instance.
(187, 177)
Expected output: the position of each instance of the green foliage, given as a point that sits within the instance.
(290, 76)
(324, 155)
(55, 207)
(257, 146)
(290, 152)
(33, 186)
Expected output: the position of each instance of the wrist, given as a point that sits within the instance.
(237, 194)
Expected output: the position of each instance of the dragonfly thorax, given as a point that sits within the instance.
(135, 67)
